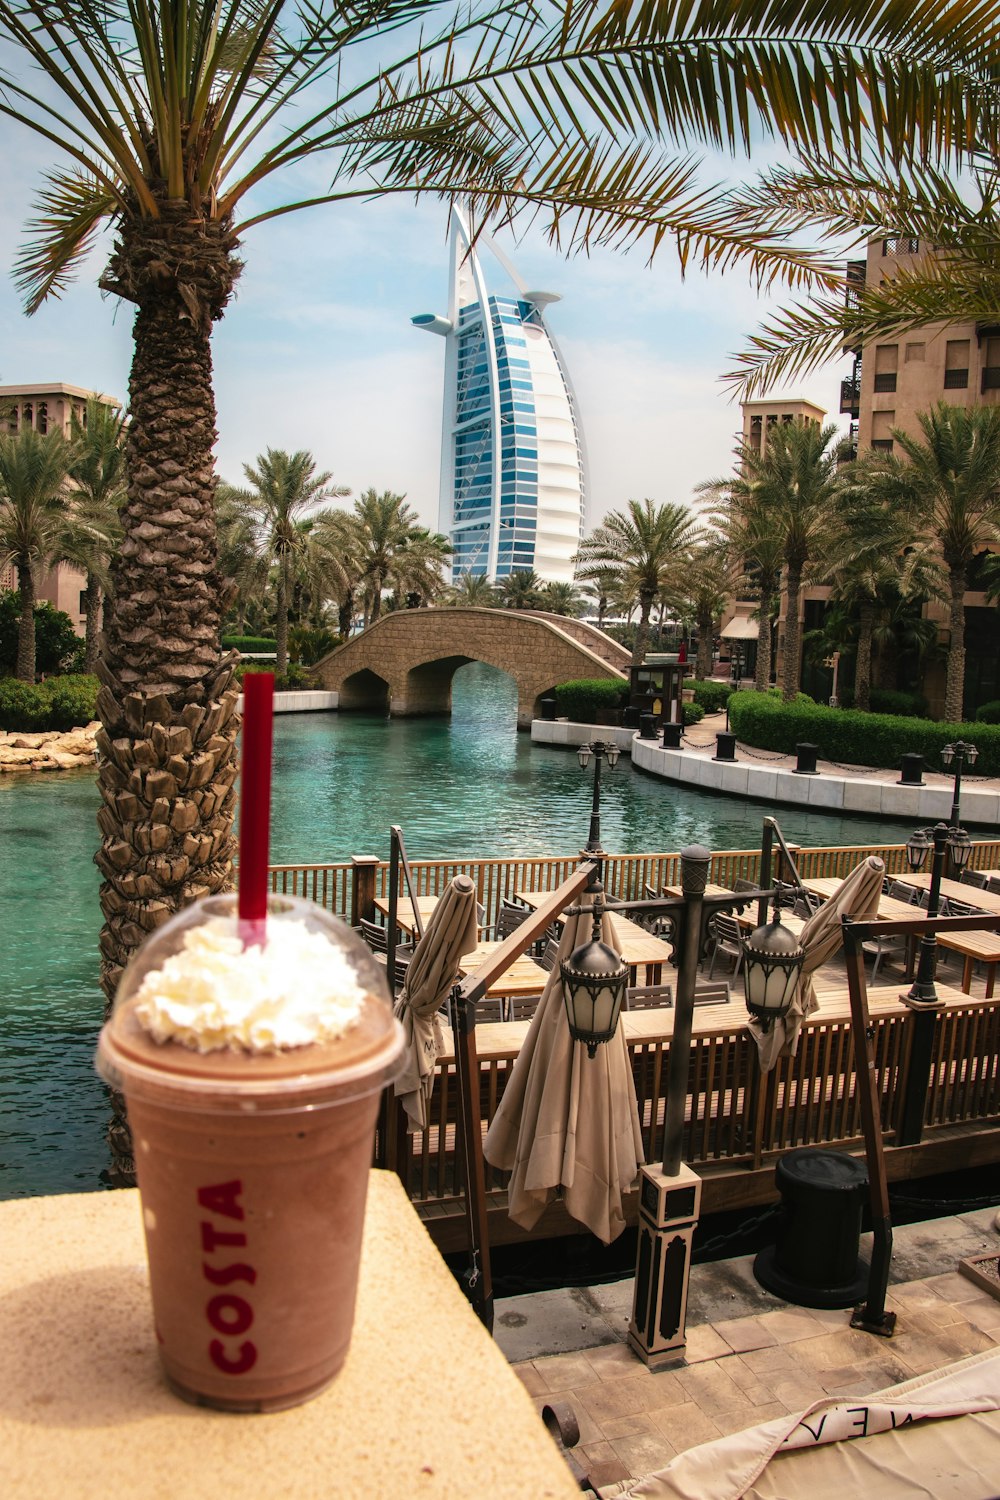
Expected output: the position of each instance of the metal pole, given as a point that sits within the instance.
(480, 1278)
(956, 796)
(695, 862)
(872, 1317)
(922, 990)
(764, 878)
(923, 1003)
(594, 841)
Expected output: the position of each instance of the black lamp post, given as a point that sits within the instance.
(922, 990)
(600, 751)
(958, 754)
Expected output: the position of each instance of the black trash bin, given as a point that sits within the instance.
(548, 707)
(672, 735)
(911, 766)
(814, 1262)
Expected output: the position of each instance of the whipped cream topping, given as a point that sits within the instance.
(295, 989)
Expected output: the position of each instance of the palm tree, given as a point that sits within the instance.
(699, 591)
(560, 599)
(521, 589)
(947, 489)
(640, 546)
(472, 591)
(337, 550)
(34, 517)
(97, 473)
(384, 526)
(416, 569)
(874, 564)
(756, 551)
(602, 585)
(284, 490)
(165, 118)
(241, 565)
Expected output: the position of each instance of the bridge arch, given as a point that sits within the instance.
(417, 652)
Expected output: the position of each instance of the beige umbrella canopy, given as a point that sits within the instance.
(566, 1119)
(453, 929)
(857, 896)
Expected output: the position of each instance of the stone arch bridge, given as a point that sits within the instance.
(404, 664)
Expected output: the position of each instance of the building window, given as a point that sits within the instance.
(886, 364)
(900, 244)
(882, 425)
(956, 365)
(42, 418)
(991, 364)
(27, 416)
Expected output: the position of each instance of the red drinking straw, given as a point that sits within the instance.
(255, 802)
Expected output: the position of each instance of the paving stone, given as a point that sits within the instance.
(621, 1427)
(684, 1426)
(616, 1362)
(561, 1372)
(661, 1388)
(548, 1323)
(612, 1472)
(771, 1361)
(735, 1421)
(789, 1324)
(954, 1287)
(645, 1453)
(610, 1398)
(713, 1388)
(530, 1379)
(847, 1348)
(704, 1343)
(745, 1333)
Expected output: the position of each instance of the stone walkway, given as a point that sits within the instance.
(750, 1356)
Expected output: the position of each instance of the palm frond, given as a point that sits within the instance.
(70, 212)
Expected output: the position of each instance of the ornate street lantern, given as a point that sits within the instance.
(772, 963)
(959, 847)
(595, 979)
(918, 846)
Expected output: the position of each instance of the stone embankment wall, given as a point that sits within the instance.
(48, 750)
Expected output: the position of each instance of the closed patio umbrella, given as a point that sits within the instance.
(565, 1119)
(452, 929)
(856, 896)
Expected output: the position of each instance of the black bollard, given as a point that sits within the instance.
(548, 707)
(725, 747)
(815, 1260)
(911, 767)
(806, 765)
(647, 727)
(672, 735)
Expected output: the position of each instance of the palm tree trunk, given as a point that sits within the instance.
(345, 615)
(762, 676)
(642, 630)
(26, 623)
(167, 703)
(281, 664)
(955, 691)
(92, 607)
(376, 609)
(703, 664)
(863, 664)
(790, 655)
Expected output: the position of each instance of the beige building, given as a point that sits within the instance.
(50, 408)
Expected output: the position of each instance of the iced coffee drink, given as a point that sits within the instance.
(251, 1067)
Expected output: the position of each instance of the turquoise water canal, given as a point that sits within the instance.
(468, 786)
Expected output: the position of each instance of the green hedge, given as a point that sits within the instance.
(889, 701)
(711, 696)
(589, 699)
(693, 713)
(988, 713)
(58, 703)
(854, 738)
(252, 643)
(295, 677)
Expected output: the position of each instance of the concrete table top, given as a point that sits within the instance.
(426, 1404)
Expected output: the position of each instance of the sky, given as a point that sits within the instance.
(317, 350)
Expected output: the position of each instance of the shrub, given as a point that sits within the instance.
(591, 700)
(56, 642)
(711, 697)
(693, 713)
(851, 737)
(295, 677)
(889, 701)
(59, 703)
(309, 646)
(257, 644)
(988, 713)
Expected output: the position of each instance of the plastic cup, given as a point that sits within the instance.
(253, 1172)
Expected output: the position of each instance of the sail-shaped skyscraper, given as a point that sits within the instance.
(512, 452)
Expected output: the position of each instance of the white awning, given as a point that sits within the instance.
(740, 629)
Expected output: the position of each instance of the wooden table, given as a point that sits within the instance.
(640, 949)
(84, 1411)
(890, 908)
(524, 977)
(710, 891)
(404, 910)
(984, 946)
(955, 890)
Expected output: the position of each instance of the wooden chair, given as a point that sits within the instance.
(712, 994)
(903, 892)
(522, 1007)
(978, 878)
(509, 918)
(649, 997)
(728, 939)
(374, 935)
(548, 958)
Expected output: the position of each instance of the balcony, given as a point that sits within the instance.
(850, 396)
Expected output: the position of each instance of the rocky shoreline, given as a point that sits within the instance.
(48, 750)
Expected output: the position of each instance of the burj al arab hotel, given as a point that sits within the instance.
(512, 452)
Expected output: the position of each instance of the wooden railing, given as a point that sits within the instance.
(347, 887)
(735, 1116)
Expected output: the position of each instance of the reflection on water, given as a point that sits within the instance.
(464, 786)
